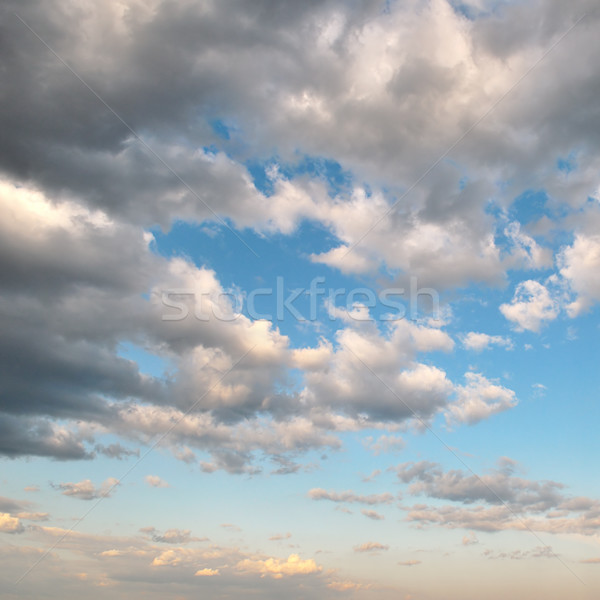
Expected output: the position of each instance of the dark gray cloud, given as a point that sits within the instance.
(170, 70)
(24, 436)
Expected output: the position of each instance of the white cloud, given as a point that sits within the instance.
(479, 399)
(526, 250)
(580, 265)
(156, 481)
(481, 341)
(9, 524)
(206, 572)
(377, 375)
(531, 307)
(278, 568)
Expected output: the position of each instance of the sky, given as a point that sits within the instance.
(299, 299)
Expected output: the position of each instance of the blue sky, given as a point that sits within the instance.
(300, 300)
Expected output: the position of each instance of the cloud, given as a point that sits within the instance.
(384, 444)
(372, 514)
(91, 389)
(409, 563)
(116, 451)
(497, 501)
(80, 274)
(278, 568)
(172, 536)
(32, 436)
(500, 487)
(470, 540)
(531, 307)
(180, 570)
(8, 505)
(479, 399)
(375, 473)
(580, 266)
(371, 547)
(206, 572)
(538, 552)
(375, 374)
(590, 561)
(10, 524)
(526, 250)
(482, 341)
(85, 489)
(350, 497)
(280, 536)
(155, 481)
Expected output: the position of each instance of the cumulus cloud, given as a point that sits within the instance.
(86, 490)
(9, 524)
(481, 341)
(580, 266)
(381, 94)
(531, 307)
(79, 275)
(278, 568)
(206, 572)
(376, 374)
(155, 481)
(479, 399)
(526, 250)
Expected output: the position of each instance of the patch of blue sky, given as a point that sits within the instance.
(466, 10)
(530, 206)
(330, 171)
(561, 358)
(479, 9)
(283, 266)
(221, 128)
(147, 362)
(567, 164)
